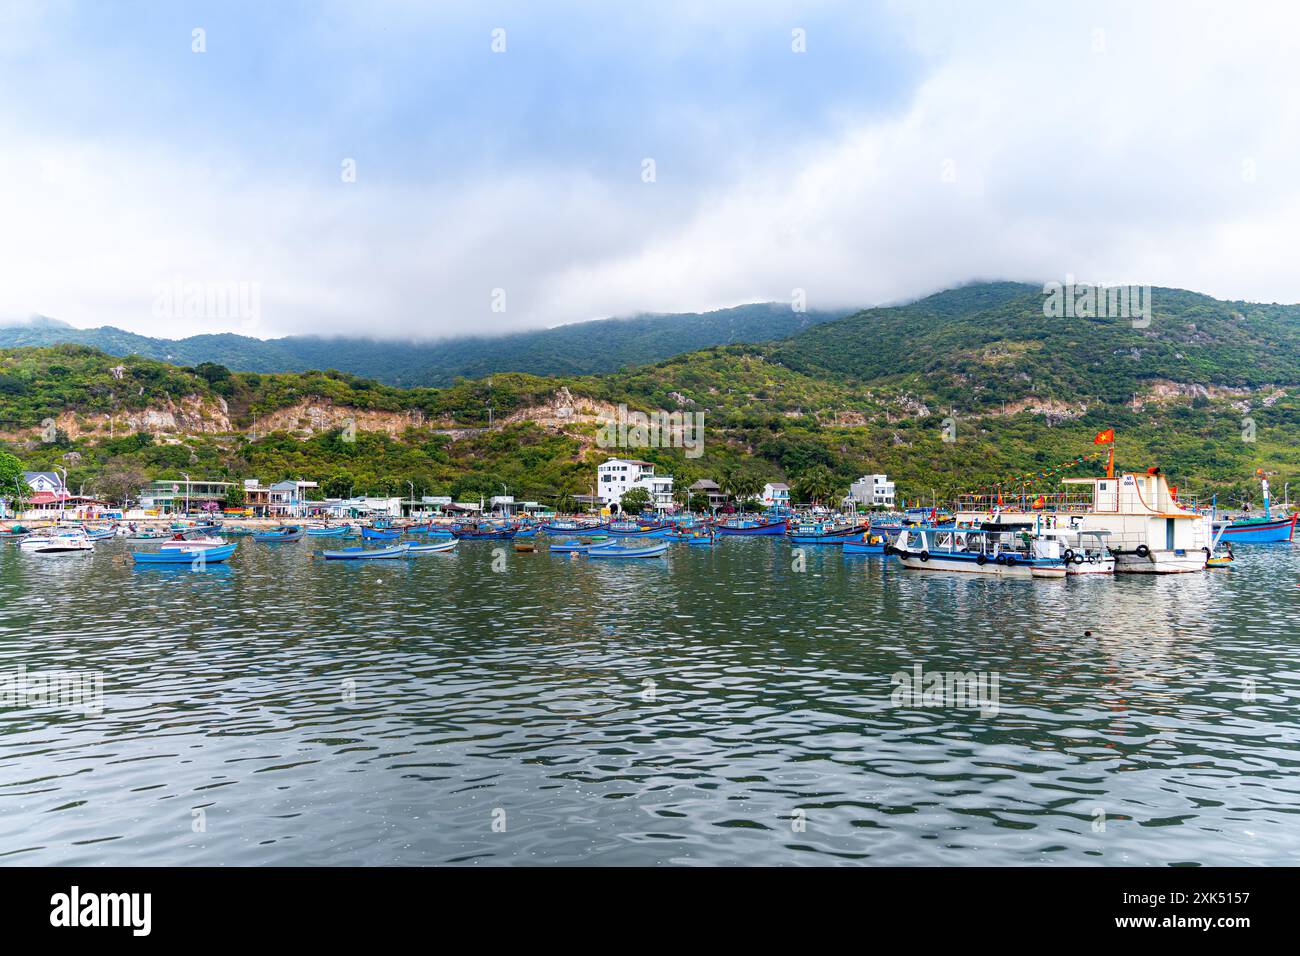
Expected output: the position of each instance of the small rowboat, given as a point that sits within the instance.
(339, 531)
(185, 543)
(525, 547)
(291, 532)
(17, 531)
(99, 534)
(869, 543)
(614, 551)
(192, 556)
(579, 547)
(379, 534)
(438, 531)
(442, 547)
(702, 541)
(472, 534)
(366, 554)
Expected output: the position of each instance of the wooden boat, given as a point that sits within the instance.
(239, 532)
(441, 547)
(638, 529)
(1263, 530)
(291, 532)
(702, 541)
(823, 532)
(526, 532)
(184, 542)
(99, 534)
(438, 531)
(366, 554)
(333, 531)
(579, 547)
(564, 529)
(751, 526)
(15, 531)
(870, 542)
(190, 556)
(614, 551)
(148, 535)
(1223, 561)
(525, 547)
(484, 533)
(379, 534)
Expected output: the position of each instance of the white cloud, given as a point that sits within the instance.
(1120, 155)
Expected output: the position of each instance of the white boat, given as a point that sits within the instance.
(1013, 551)
(1084, 552)
(57, 544)
(1150, 532)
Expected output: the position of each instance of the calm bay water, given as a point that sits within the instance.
(713, 707)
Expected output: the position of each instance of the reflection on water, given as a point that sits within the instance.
(714, 707)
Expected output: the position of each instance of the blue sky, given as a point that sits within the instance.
(909, 147)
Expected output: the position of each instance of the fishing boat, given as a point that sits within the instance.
(526, 532)
(573, 528)
(99, 534)
(1265, 529)
(752, 526)
(239, 532)
(65, 543)
(290, 532)
(579, 547)
(379, 534)
(185, 542)
(441, 547)
(484, 533)
(614, 551)
(870, 542)
(15, 531)
(366, 554)
(823, 532)
(638, 529)
(148, 534)
(1005, 550)
(190, 556)
(333, 531)
(702, 541)
(438, 531)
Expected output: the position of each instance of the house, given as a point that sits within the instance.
(47, 482)
(257, 497)
(177, 495)
(289, 498)
(709, 489)
(776, 494)
(620, 475)
(873, 491)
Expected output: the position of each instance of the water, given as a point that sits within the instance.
(713, 707)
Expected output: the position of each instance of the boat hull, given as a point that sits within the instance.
(611, 551)
(1159, 562)
(968, 564)
(365, 554)
(199, 556)
(774, 528)
(1258, 532)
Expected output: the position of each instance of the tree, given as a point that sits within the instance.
(235, 496)
(338, 485)
(817, 485)
(13, 485)
(120, 481)
(635, 500)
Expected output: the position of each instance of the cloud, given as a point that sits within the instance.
(1112, 142)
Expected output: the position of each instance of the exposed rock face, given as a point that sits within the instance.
(317, 415)
(564, 410)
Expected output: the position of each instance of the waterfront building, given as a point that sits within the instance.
(873, 491)
(776, 494)
(174, 495)
(619, 475)
(709, 488)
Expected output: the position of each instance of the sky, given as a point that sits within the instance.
(402, 169)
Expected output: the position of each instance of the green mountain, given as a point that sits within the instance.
(958, 391)
(583, 348)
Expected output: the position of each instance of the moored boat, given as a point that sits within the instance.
(291, 532)
(1006, 550)
(362, 553)
(191, 556)
(870, 542)
(752, 526)
(379, 534)
(823, 532)
(440, 547)
(615, 551)
(65, 543)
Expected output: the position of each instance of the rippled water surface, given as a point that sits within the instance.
(712, 707)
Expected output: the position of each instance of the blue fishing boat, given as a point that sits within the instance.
(290, 532)
(614, 551)
(192, 556)
(751, 526)
(638, 529)
(871, 542)
(365, 554)
(379, 534)
(572, 528)
(579, 547)
(438, 531)
(823, 532)
(702, 541)
(440, 547)
(526, 532)
(484, 533)
(99, 534)
(337, 531)
(1265, 529)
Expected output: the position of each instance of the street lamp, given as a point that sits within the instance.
(187, 493)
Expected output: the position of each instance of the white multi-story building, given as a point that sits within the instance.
(776, 494)
(873, 490)
(619, 475)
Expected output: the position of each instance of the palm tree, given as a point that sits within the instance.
(817, 485)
